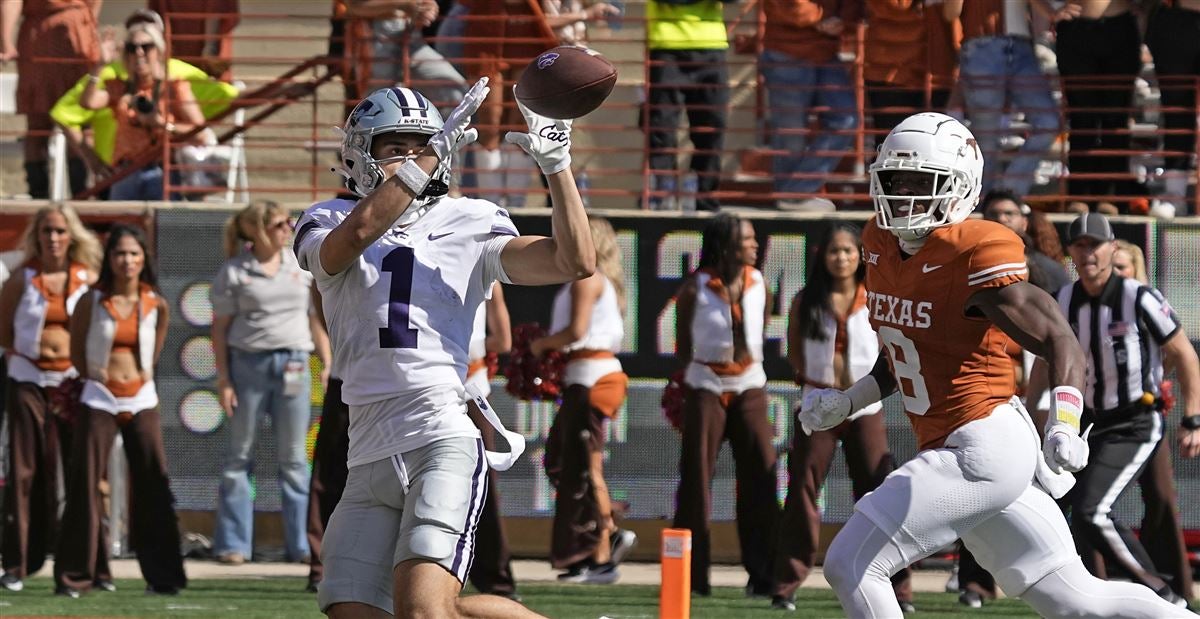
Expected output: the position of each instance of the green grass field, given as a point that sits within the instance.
(284, 597)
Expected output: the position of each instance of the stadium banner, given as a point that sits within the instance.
(643, 450)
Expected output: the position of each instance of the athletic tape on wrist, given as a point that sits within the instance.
(1066, 406)
(863, 393)
(413, 177)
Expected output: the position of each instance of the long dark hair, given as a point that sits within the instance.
(721, 236)
(814, 299)
(115, 234)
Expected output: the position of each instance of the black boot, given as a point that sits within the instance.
(37, 176)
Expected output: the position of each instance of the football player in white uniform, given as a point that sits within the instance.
(401, 272)
(980, 474)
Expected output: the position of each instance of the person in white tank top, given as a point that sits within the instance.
(587, 324)
(401, 273)
(60, 261)
(118, 332)
(830, 344)
(491, 335)
(721, 310)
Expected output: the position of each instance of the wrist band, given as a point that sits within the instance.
(1190, 422)
(1066, 407)
(413, 177)
(95, 79)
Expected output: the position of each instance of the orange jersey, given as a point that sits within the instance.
(951, 368)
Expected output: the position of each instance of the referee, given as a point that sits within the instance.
(1128, 332)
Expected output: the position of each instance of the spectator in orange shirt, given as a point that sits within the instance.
(801, 70)
(148, 107)
(910, 55)
(53, 48)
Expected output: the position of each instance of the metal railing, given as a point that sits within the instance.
(292, 98)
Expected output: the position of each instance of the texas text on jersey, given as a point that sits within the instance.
(951, 366)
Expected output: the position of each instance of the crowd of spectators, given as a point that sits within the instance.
(998, 65)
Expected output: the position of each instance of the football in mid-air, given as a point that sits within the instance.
(566, 82)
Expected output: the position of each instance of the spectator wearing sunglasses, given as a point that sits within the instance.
(262, 332)
(149, 107)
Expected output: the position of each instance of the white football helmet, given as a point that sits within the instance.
(940, 146)
(388, 110)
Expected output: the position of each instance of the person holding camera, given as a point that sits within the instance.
(148, 107)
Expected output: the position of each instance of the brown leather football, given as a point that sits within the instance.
(566, 82)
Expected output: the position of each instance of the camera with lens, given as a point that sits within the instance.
(143, 104)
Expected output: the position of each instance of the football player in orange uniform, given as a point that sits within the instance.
(945, 295)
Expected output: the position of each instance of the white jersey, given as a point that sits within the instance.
(400, 319)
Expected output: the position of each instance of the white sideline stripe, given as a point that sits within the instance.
(974, 282)
(1102, 519)
(998, 267)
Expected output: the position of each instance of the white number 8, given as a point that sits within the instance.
(906, 364)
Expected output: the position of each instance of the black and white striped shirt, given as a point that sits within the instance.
(1121, 332)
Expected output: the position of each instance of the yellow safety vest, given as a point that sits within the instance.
(686, 26)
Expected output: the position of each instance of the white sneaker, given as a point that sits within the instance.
(623, 540)
(606, 574)
(11, 583)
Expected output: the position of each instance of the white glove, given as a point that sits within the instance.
(455, 133)
(548, 140)
(823, 409)
(1064, 448)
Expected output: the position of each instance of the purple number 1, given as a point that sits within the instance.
(398, 262)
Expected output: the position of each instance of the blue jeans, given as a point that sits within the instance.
(258, 382)
(1000, 70)
(794, 86)
(145, 184)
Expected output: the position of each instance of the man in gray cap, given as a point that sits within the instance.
(1127, 331)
